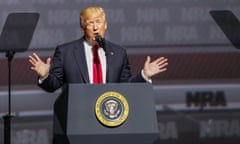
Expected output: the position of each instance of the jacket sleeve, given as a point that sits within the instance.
(56, 74)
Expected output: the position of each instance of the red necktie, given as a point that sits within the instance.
(97, 68)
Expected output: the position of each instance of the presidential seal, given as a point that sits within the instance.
(111, 109)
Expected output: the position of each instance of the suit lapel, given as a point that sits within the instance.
(79, 56)
(108, 66)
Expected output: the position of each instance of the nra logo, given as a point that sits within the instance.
(205, 98)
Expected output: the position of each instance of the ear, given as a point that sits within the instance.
(82, 28)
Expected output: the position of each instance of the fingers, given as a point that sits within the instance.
(148, 59)
(38, 65)
(49, 61)
(33, 59)
(161, 64)
(36, 57)
(162, 69)
(161, 60)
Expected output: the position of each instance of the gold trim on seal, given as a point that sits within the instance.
(119, 120)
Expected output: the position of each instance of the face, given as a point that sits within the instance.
(94, 26)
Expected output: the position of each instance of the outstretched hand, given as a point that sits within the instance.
(153, 68)
(39, 66)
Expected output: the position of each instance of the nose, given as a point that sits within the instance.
(95, 26)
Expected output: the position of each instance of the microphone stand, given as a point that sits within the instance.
(8, 116)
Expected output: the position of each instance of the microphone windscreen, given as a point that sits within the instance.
(100, 41)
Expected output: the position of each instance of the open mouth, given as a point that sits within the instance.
(96, 34)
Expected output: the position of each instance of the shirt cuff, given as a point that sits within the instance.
(40, 80)
(145, 78)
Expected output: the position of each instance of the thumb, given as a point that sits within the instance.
(49, 60)
(148, 60)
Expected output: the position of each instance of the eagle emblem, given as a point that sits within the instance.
(111, 109)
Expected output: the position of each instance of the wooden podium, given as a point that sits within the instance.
(76, 119)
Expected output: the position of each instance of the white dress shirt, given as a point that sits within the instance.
(89, 60)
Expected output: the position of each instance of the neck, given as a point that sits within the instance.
(91, 42)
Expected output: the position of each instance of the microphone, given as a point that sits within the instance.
(100, 41)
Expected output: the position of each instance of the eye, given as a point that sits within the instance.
(98, 21)
(90, 24)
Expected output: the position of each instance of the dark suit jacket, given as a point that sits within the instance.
(69, 66)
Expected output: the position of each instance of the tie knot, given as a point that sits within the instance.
(95, 48)
(95, 54)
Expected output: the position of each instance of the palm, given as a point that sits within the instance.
(155, 67)
(39, 66)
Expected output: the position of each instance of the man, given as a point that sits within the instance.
(73, 62)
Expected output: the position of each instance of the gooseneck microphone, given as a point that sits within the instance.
(100, 41)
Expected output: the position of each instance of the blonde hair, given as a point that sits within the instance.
(91, 12)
